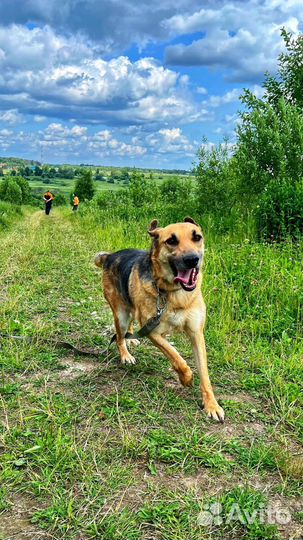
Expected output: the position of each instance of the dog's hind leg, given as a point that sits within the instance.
(178, 363)
(122, 321)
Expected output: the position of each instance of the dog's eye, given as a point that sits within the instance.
(196, 237)
(172, 241)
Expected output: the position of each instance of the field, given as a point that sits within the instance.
(91, 449)
(66, 185)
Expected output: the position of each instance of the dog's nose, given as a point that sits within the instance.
(191, 261)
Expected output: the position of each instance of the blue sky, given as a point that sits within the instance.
(131, 83)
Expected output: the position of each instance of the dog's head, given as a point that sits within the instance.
(177, 252)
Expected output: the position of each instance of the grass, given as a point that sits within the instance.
(90, 449)
(9, 213)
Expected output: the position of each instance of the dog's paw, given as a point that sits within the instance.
(186, 377)
(214, 411)
(128, 359)
(133, 342)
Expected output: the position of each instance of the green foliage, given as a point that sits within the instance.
(38, 171)
(15, 190)
(270, 145)
(8, 214)
(60, 200)
(215, 179)
(141, 191)
(84, 186)
(10, 191)
(288, 82)
(25, 189)
(279, 211)
(268, 158)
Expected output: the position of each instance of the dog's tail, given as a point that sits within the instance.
(100, 258)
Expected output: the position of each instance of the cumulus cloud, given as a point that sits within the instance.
(62, 141)
(11, 117)
(232, 96)
(242, 38)
(171, 141)
(114, 25)
(50, 75)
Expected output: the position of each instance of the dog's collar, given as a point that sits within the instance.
(153, 322)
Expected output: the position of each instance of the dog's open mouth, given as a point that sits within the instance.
(187, 278)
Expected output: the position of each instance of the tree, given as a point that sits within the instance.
(38, 171)
(270, 144)
(288, 82)
(25, 189)
(60, 200)
(84, 186)
(215, 179)
(26, 171)
(141, 191)
(10, 191)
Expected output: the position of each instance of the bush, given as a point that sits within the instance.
(280, 211)
(270, 145)
(84, 186)
(10, 191)
(215, 179)
(60, 200)
(25, 189)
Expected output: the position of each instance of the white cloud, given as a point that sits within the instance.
(39, 118)
(46, 74)
(11, 117)
(243, 38)
(201, 90)
(171, 141)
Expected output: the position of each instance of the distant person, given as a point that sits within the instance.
(48, 199)
(76, 203)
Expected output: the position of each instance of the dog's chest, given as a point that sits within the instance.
(173, 320)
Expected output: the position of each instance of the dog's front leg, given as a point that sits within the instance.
(211, 405)
(178, 363)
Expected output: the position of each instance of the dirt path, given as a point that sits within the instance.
(91, 449)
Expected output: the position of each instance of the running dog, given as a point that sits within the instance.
(135, 281)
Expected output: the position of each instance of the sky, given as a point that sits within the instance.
(129, 82)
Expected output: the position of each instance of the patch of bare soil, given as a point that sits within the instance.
(74, 368)
(15, 523)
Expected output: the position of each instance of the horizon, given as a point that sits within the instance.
(132, 85)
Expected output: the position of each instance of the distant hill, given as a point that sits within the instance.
(18, 162)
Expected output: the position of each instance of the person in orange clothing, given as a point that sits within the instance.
(76, 202)
(48, 198)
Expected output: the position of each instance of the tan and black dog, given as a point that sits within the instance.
(133, 281)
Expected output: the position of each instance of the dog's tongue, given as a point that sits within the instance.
(184, 276)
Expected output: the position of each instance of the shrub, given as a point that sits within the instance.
(10, 191)
(84, 186)
(215, 179)
(60, 200)
(270, 145)
(25, 189)
(280, 211)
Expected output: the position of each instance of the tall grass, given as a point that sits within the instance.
(8, 214)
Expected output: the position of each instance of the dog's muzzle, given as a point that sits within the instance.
(186, 270)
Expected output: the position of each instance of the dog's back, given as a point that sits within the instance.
(118, 267)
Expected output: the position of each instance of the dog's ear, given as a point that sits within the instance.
(152, 231)
(188, 219)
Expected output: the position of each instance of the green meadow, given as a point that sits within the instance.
(91, 449)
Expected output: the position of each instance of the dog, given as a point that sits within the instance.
(134, 282)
